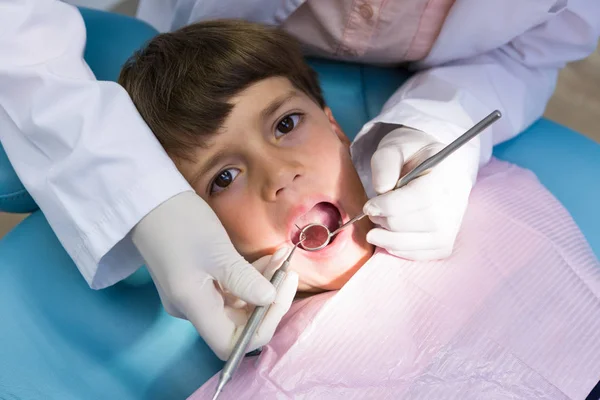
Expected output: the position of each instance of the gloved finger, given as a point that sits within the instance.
(242, 280)
(283, 302)
(403, 241)
(277, 310)
(234, 302)
(386, 164)
(420, 221)
(239, 316)
(424, 255)
(380, 221)
(274, 262)
(204, 307)
(168, 305)
(267, 266)
(417, 195)
(262, 263)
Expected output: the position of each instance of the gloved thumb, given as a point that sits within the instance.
(269, 264)
(243, 280)
(386, 165)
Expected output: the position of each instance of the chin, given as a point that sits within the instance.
(332, 267)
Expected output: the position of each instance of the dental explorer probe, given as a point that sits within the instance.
(239, 350)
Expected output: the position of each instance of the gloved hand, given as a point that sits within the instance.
(421, 220)
(202, 278)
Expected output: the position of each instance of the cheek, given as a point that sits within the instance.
(232, 216)
(332, 162)
(246, 223)
(325, 152)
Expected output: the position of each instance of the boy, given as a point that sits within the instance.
(512, 314)
(243, 118)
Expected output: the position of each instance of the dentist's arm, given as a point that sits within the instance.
(94, 168)
(77, 144)
(436, 105)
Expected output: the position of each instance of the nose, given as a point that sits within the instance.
(280, 174)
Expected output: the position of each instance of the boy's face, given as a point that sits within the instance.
(279, 161)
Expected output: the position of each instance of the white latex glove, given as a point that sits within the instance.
(187, 251)
(421, 220)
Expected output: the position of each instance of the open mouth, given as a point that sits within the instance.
(323, 213)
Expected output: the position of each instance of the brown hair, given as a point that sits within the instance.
(181, 81)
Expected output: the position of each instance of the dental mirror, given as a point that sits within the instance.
(314, 237)
(317, 236)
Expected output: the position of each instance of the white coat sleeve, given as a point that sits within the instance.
(517, 78)
(78, 145)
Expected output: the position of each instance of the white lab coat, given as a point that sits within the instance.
(95, 169)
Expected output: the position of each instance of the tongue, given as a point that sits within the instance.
(322, 213)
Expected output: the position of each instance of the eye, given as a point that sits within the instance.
(287, 124)
(223, 180)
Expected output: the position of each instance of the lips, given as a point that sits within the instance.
(324, 213)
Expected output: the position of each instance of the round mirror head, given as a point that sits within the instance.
(314, 237)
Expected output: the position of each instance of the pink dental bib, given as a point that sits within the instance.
(514, 313)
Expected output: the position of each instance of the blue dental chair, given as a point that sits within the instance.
(61, 340)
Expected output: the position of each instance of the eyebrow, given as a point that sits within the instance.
(269, 110)
(209, 164)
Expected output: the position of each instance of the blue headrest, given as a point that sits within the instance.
(111, 39)
(354, 92)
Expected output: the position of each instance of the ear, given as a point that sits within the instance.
(336, 127)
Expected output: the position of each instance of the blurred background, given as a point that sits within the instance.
(575, 103)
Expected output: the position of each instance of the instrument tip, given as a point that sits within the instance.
(220, 387)
(217, 393)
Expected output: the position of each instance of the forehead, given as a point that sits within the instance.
(263, 97)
